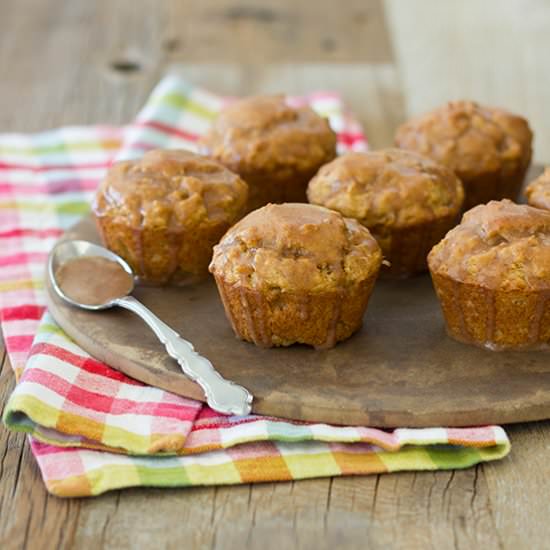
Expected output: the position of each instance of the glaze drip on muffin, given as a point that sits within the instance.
(393, 188)
(172, 188)
(538, 191)
(408, 202)
(296, 273)
(296, 247)
(498, 246)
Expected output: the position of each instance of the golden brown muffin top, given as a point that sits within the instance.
(296, 248)
(171, 188)
(538, 191)
(499, 245)
(264, 134)
(470, 139)
(390, 187)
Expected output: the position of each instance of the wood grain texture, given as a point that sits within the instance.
(78, 62)
(278, 30)
(56, 67)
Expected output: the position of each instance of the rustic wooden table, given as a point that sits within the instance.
(78, 62)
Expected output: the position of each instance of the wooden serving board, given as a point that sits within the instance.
(400, 370)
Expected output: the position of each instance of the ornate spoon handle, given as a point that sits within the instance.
(221, 395)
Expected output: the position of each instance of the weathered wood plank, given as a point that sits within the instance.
(279, 30)
(78, 62)
(518, 488)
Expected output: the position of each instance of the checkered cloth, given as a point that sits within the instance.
(91, 428)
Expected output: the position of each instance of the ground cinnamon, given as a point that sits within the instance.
(93, 280)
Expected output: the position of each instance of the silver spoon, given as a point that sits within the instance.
(221, 395)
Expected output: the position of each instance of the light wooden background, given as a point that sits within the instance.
(76, 61)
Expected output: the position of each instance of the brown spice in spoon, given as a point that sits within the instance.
(93, 280)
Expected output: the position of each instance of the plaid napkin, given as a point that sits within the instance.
(91, 428)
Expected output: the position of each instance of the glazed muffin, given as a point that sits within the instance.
(538, 191)
(164, 212)
(296, 273)
(492, 276)
(274, 147)
(407, 202)
(488, 149)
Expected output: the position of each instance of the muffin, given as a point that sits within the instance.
(488, 149)
(492, 276)
(296, 273)
(274, 147)
(538, 191)
(407, 202)
(164, 212)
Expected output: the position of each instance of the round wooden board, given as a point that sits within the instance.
(400, 370)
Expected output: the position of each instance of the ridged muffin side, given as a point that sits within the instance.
(492, 277)
(296, 273)
(163, 213)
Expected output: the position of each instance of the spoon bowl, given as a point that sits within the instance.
(221, 395)
(70, 250)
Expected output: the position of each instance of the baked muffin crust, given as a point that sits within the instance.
(492, 277)
(170, 189)
(408, 202)
(276, 148)
(538, 191)
(164, 212)
(296, 247)
(489, 149)
(296, 273)
(390, 187)
(498, 246)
